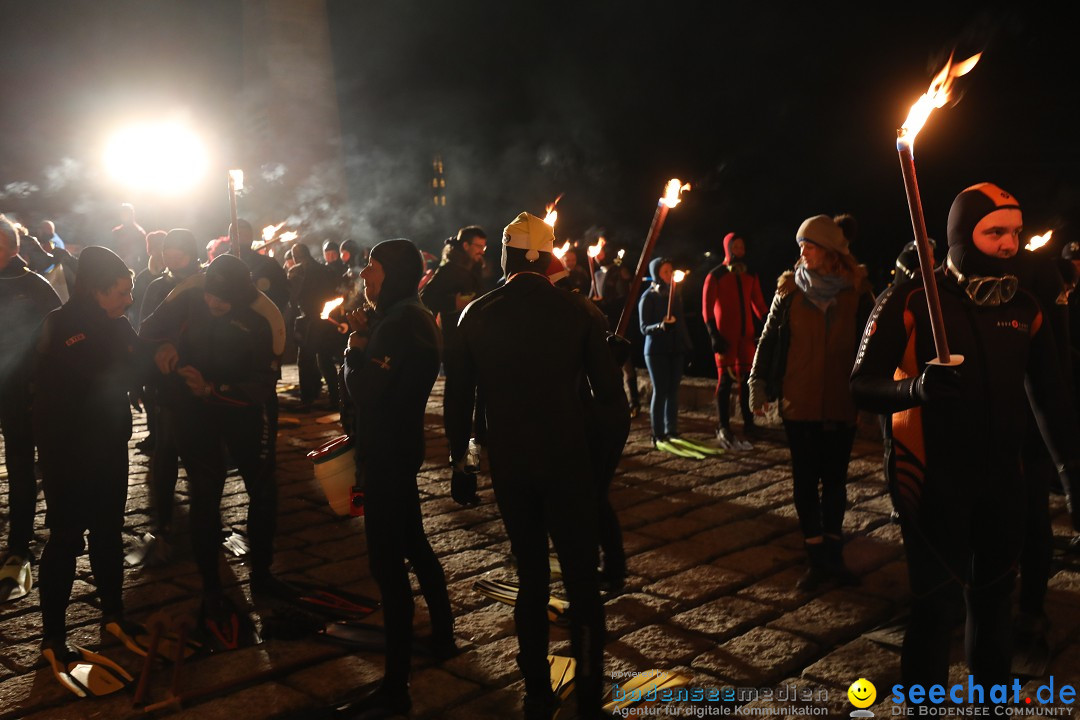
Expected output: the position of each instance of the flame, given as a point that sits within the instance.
(1038, 241)
(270, 231)
(329, 307)
(677, 276)
(237, 177)
(594, 250)
(552, 215)
(288, 236)
(559, 252)
(621, 254)
(936, 96)
(672, 190)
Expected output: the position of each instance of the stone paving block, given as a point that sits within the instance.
(734, 536)
(662, 646)
(864, 553)
(856, 659)
(712, 512)
(256, 703)
(489, 623)
(434, 690)
(889, 582)
(23, 694)
(339, 678)
(453, 541)
(468, 563)
(490, 665)
(757, 658)
(723, 618)
(672, 528)
(650, 511)
(501, 703)
(630, 611)
(669, 559)
(778, 589)
(834, 617)
(759, 561)
(697, 584)
(634, 543)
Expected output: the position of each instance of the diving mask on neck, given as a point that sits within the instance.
(986, 290)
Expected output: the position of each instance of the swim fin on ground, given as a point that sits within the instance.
(507, 592)
(683, 452)
(86, 673)
(695, 446)
(16, 578)
(562, 675)
(136, 638)
(328, 601)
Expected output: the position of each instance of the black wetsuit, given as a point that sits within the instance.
(234, 352)
(389, 383)
(25, 299)
(954, 469)
(85, 365)
(527, 346)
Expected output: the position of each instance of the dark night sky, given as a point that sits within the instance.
(773, 114)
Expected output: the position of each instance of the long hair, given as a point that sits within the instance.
(837, 264)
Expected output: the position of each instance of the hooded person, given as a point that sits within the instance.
(541, 448)
(732, 305)
(86, 361)
(667, 341)
(220, 367)
(390, 367)
(955, 481)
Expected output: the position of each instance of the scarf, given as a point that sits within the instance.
(820, 289)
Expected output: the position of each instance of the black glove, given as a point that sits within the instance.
(619, 347)
(937, 384)
(1070, 480)
(463, 488)
(719, 343)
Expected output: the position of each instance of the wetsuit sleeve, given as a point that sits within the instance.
(709, 305)
(881, 350)
(1053, 411)
(461, 386)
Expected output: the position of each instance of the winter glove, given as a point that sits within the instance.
(936, 384)
(719, 343)
(463, 488)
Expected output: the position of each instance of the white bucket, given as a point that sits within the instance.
(335, 469)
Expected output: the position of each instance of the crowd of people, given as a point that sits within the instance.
(537, 378)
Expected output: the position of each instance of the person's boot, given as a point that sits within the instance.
(726, 439)
(834, 548)
(817, 573)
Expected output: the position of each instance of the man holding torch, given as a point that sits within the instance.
(954, 432)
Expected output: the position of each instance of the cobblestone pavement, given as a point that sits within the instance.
(714, 552)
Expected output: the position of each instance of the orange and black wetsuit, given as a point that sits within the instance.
(954, 469)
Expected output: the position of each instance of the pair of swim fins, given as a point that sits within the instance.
(681, 447)
(507, 592)
(84, 672)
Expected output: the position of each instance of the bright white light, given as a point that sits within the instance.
(165, 158)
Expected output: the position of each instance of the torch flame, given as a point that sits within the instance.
(594, 250)
(237, 177)
(672, 192)
(559, 252)
(288, 236)
(677, 276)
(329, 307)
(270, 231)
(936, 96)
(552, 215)
(1038, 241)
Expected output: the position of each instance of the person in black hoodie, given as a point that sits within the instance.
(87, 359)
(390, 367)
(220, 365)
(25, 299)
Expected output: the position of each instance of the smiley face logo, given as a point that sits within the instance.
(862, 693)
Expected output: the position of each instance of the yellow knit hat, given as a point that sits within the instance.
(530, 233)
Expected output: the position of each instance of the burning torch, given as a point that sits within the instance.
(593, 252)
(676, 278)
(236, 182)
(935, 97)
(328, 308)
(670, 199)
(1038, 241)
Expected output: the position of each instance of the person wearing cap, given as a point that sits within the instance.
(731, 304)
(528, 345)
(803, 362)
(25, 299)
(87, 359)
(666, 343)
(390, 366)
(955, 432)
(268, 276)
(331, 251)
(220, 367)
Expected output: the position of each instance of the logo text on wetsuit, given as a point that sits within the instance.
(1014, 325)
